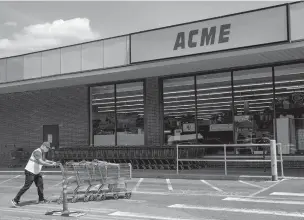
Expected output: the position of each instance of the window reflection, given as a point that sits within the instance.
(179, 110)
(130, 113)
(214, 114)
(253, 106)
(103, 115)
(290, 108)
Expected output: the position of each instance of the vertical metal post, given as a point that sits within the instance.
(177, 159)
(225, 158)
(281, 159)
(274, 168)
(115, 110)
(195, 94)
(232, 107)
(65, 209)
(273, 105)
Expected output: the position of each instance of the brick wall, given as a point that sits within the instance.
(153, 112)
(22, 116)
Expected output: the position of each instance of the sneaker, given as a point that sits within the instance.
(43, 201)
(14, 203)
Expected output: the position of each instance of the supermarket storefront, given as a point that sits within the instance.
(233, 79)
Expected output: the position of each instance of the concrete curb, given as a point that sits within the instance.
(170, 176)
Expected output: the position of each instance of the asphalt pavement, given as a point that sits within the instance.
(167, 199)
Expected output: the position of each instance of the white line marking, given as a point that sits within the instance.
(264, 201)
(34, 207)
(10, 179)
(250, 184)
(169, 185)
(247, 176)
(139, 215)
(286, 194)
(293, 178)
(267, 188)
(152, 193)
(251, 211)
(213, 187)
(135, 201)
(31, 212)
(137, 185)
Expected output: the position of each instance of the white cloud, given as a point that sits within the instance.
(10, 23)
(47, 35)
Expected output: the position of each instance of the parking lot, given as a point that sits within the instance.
(167, 199)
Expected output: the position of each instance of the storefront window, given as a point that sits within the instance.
(214, 108)
(289, 98)
(253, 106)
(130, 113)
(179, 110)
(103, 115)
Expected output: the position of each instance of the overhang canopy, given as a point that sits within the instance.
(267, 55)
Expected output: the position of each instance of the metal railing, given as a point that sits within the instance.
(273, 156)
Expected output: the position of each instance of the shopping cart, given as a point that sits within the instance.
(112, 180)
(73, 174)
(96, 180)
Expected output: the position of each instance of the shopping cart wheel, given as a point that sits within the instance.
(74, 199)
(128, 195)
(86, 198)
(115, 196)
(59, 201)
(92, 197)
(101, 197)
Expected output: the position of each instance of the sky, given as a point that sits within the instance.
(37, 25)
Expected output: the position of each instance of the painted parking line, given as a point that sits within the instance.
(137, 185)
(213, 187)
(250, 184)
(169, 185)
(253, 200)
(265, 189)
(32, 214)
(15, 177)
(145, 216)
(236, 210)
(286, 194)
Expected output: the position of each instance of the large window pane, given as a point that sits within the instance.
(214, 108)
(71, 59)
(289, 91)
(130, 114)
(92, 55)
(51, 62)
(253, 106)
(103, 115)
(179, 110)
(15, 68)
(32, 65)
(2, 70)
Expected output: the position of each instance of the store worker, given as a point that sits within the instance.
(32, 172)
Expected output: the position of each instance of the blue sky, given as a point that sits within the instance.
(31, 26)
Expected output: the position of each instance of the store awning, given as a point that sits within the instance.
(201, 63)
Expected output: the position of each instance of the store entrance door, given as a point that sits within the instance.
(51, 134)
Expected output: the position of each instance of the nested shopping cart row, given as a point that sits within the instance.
(140, 157)
(95, 180)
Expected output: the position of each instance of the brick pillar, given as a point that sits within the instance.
(153, 112)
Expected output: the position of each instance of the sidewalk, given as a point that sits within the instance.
(207, 173)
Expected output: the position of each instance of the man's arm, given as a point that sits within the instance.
(38, 157)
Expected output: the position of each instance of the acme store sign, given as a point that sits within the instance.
(206, 36)
(232, 32)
